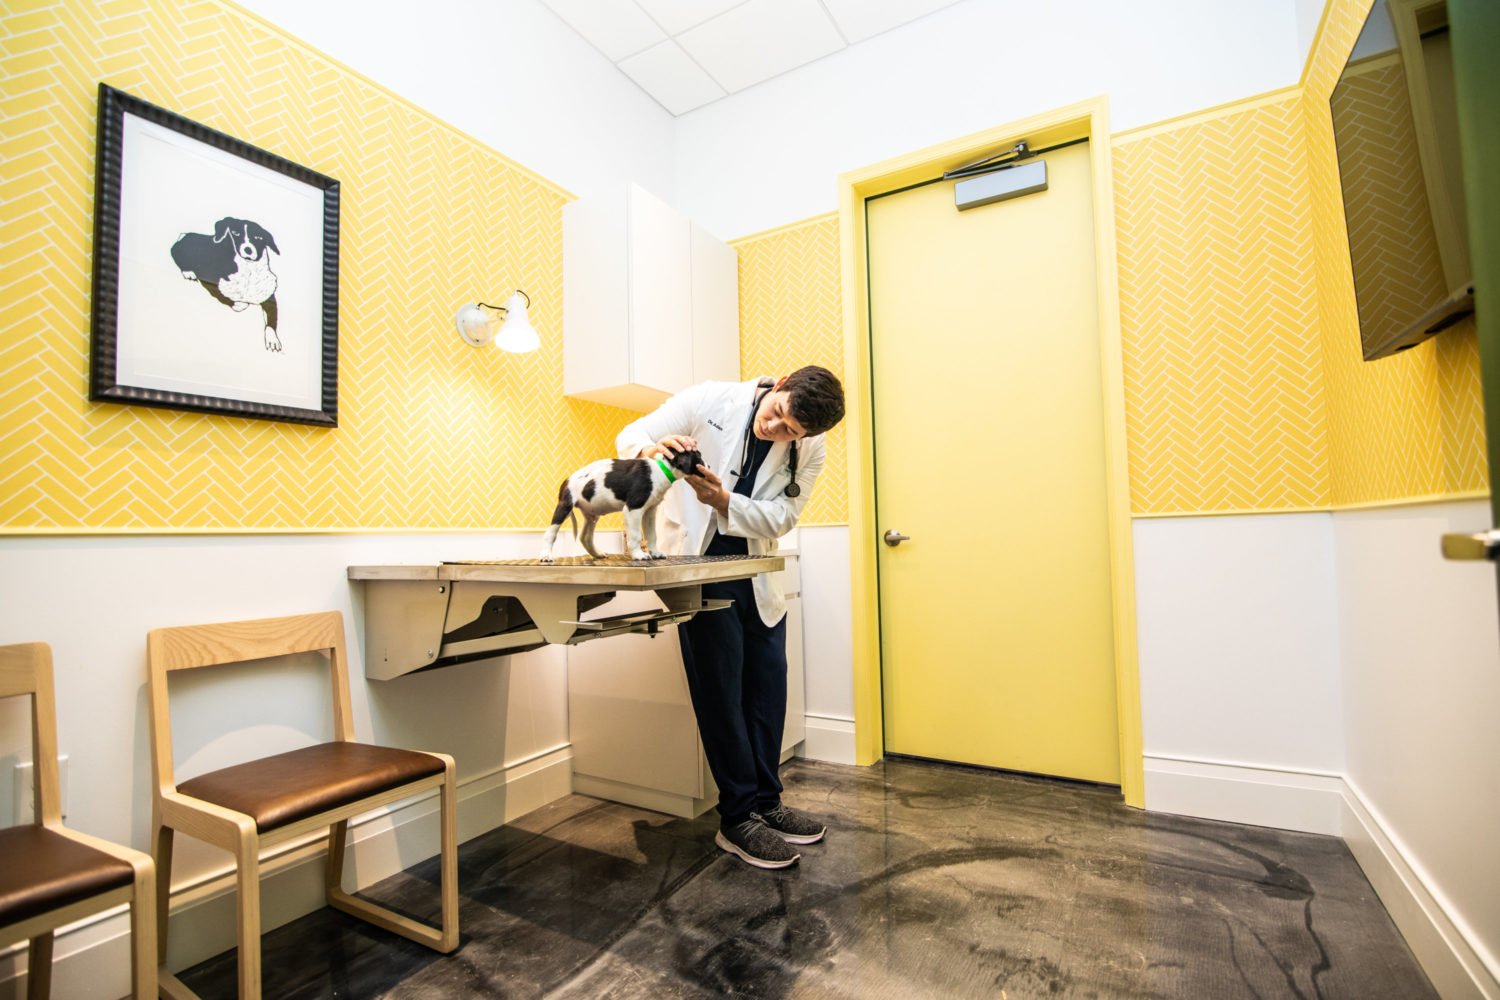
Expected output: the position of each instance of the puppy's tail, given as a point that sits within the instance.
(573, 521)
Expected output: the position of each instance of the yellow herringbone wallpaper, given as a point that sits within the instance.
(1224, 397)
(432, 433)
(790, 316)
(1406, 426)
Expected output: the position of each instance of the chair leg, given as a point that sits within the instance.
(247, 870)
(143, 954)
(448, 859)
(333, 876)
(39, 967)
(163, 856)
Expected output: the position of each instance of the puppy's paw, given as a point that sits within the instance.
(546, 557)
(239, 307)
(657, 555)
(639, 555)
(190, 275)
(273, 342)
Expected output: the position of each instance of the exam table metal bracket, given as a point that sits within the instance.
(422, 616)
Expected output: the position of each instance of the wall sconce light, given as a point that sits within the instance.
(516, 334)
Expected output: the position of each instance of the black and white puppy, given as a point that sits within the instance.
(636, 485)
(233, 266)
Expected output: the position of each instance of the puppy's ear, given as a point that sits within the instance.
(270, 240)
(222, 230)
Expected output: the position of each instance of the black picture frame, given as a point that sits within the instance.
(174, 316)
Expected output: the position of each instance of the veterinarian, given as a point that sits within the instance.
(762, 445)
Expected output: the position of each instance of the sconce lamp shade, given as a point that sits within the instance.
(517, 335)
(477, 326)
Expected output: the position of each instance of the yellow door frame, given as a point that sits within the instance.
(1087, 118)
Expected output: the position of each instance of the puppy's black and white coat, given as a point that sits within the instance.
(234, 267)
(636, 485)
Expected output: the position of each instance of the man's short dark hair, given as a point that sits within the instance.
(815, 398)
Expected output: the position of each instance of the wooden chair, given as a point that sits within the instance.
(248, 806)
(50, 875)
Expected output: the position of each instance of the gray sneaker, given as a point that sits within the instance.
(755, 844)
(793, 827)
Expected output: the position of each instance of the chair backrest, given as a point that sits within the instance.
(26, 668)
(190, 647)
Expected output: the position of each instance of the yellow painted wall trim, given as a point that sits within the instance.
(1411, 501)
(324, 57)
(788, 228)
(1207, 114)
(1431, 498)
(1085, 118)
(1311, 60)
(276, 532)
(1235, 512)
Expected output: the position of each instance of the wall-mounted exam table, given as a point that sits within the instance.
(421, 616)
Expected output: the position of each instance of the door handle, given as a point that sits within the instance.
(894, 538)
(1485, 545)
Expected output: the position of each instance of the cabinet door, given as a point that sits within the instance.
(661, 297)
(629, 714)
(596, 297)
(716, 309)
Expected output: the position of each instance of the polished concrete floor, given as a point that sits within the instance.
(934, 881)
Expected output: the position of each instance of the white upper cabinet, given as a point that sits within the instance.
(650, 301)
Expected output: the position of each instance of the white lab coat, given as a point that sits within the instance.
(716, 414)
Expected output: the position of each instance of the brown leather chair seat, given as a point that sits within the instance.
(43, 870)
(292, 786)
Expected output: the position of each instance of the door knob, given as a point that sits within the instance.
(894, 537)
(1485, 545)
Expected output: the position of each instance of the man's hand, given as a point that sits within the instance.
(669, 446)
(710, 489)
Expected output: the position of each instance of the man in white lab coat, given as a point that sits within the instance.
(762, 446)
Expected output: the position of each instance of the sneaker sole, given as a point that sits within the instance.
(748, 858)
(792, 838)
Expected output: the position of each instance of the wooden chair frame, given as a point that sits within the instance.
(192, 647)
(26, 669)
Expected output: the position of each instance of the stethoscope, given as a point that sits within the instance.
(791, 489)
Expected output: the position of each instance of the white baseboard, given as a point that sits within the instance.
(1448, 950)
(828, 738)
(92, 958)
(1245, 793)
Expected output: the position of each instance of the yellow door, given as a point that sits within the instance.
(997, 645)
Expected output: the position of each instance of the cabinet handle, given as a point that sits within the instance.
(894, 538)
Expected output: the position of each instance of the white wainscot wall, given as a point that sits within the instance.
(1240, 674)
(94, 598)
(827, 644)
(1421, 650)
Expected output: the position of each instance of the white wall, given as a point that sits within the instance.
(827, 644)
(510, 73)
(1421, 692)
(1240, 668)
(771, 155)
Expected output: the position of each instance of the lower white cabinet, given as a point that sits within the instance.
(630, 718)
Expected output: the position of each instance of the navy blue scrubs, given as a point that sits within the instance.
(736, 672)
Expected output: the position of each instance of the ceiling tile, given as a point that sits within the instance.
(666, 73)
(861, 19)
(761, 39)
(679, 15)
(618, 28)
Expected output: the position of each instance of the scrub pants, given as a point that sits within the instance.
(736, 672)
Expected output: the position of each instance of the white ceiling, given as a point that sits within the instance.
(688, 53)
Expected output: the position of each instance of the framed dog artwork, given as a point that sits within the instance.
(215, 271)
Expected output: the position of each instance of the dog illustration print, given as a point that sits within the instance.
(233, 265)
(636, 485)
